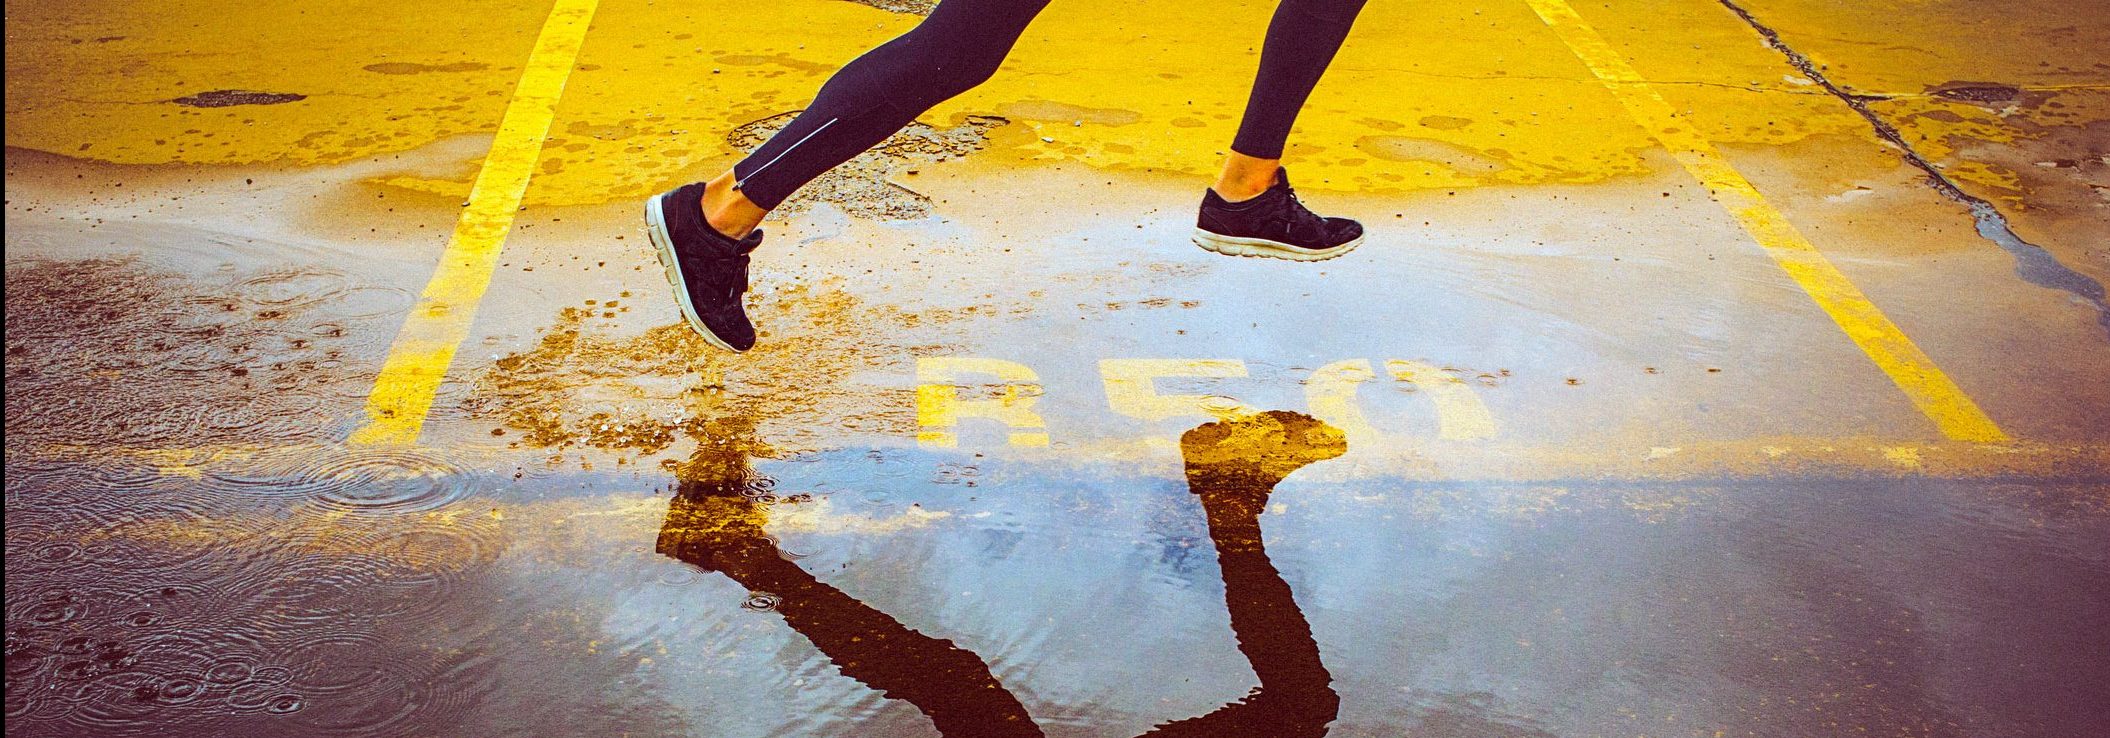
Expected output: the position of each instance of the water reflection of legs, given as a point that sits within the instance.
(713, 525)
(1232, 466)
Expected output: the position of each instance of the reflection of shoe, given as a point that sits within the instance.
(708, 269)
(1255, 452)
(712, 523)
(1273, 224)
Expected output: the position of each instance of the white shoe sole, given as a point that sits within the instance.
(656, 226)
(1261, 247)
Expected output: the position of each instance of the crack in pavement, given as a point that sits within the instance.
(2033, 263)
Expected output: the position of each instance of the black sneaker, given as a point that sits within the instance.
(1274, 224)
(708, 269)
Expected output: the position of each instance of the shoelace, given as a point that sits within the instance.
(721, 275)
(737, 277)
(1296, 218)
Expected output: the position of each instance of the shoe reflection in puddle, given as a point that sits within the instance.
(1231, 465)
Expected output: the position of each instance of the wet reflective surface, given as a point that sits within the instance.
(715, 522)
(906, 593)
(742, 587)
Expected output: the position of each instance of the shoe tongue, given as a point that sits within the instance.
(750, 243)
(1281, 178)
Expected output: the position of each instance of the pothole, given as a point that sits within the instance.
(863, 186)
(1978, 93)
(231, 98)
(907, 7)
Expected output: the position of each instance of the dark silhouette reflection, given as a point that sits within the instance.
(714, 525)
(1231, 465)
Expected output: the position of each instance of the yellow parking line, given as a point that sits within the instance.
(1932, 391)
(417, 362)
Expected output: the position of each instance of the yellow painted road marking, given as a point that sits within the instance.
(1330, 395)
(939, 407)
(1460, 415)
(1932, 391)
(1131, 388)
(418, 361)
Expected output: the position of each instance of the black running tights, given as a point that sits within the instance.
(961, 44)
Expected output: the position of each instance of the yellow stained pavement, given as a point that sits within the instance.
(1425, 95)
(2038, 154)
(91, 80)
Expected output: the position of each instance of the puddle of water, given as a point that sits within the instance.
(2038, 266)
(180, 562)
(111, 352)
(894, 592)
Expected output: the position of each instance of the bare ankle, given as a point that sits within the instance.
(1236, 191)
(1245, 177)
(729, 211)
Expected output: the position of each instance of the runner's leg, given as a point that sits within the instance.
(1250, 211)
(958, 47)
(1301, 41)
